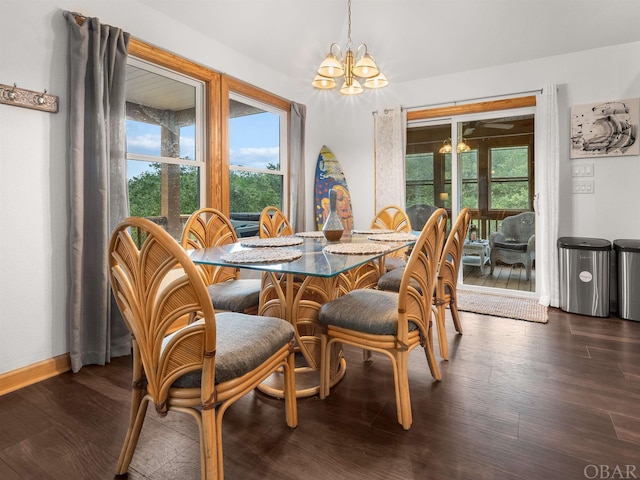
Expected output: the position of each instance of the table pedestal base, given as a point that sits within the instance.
(307, 381)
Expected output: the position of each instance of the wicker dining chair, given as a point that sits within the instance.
(395, 218)
(445, 293)
(388, 322)
(201, 368)
(274, 223)
(208, 227)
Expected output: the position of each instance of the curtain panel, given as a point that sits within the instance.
(98, 186)
(547, 194)
(296, 167)
(390, 126)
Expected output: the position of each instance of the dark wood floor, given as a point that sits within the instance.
(518, 400)
(510, 277)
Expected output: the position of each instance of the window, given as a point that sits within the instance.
(257, 156)
(197, 138)
(164, 130)
(419, 177)
(509, 178)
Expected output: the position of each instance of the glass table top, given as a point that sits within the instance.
(313, 260)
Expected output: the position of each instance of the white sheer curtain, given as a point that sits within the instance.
(547, 194)
(390, 133)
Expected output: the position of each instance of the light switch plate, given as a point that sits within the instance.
(582, 170)
(583, 186)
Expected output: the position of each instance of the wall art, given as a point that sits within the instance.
(605, 129)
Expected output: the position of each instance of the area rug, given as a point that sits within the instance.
(502, 306)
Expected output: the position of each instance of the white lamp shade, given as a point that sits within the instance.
(331, 67)
(323, 83)
(354, 89)
(366, 67)
(378, 81)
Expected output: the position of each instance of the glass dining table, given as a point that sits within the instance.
(299, 274)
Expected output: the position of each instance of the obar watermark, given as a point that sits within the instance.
(611, 472)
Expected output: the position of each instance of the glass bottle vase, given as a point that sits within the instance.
(333, 228)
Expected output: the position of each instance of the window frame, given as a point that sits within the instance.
(231, 87)
(217, 88)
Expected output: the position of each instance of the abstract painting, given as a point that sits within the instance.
(605, 129)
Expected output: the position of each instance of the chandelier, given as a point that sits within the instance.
(352, 67)
(460, 147)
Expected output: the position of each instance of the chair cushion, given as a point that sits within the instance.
(243, 342)
(516, 246)
(392, 263)
(391, 281)
(235, 295)
(364, 310)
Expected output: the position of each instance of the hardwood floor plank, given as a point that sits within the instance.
(518, 400)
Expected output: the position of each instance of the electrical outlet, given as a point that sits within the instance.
(583, 186)
(583, 170)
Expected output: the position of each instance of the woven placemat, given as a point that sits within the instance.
(313, 234)
(373, 231)
(288, 241)
(394, 237)
(356, 248)
(263, 255)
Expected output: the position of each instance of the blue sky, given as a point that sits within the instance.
(253, 140)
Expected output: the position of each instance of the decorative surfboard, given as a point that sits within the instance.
(329, 175)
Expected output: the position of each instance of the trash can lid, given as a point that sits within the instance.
(627, 245)
(584, 243)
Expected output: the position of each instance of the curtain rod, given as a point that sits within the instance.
(386, 110)
(455, 102)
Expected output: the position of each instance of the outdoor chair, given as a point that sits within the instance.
(515, 242)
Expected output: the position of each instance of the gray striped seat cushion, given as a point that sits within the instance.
(235, 295)
(364, 310)
(243, 342)
(392, 263)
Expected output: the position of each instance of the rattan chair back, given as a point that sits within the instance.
(392, 217)
(446, 289)
(209, 227)
(274, 223)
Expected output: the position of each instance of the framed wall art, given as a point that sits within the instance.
(605, 129)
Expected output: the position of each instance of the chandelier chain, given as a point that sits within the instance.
(349, 43)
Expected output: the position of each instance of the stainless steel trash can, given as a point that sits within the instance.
(628, 269)
(584, 275)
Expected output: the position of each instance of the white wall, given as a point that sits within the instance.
(33, 169)
(33, 165)
(605, 74)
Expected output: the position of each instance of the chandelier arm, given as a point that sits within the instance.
(339, 55)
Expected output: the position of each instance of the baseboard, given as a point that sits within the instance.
(25, 376)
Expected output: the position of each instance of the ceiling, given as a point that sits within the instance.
(410, 39)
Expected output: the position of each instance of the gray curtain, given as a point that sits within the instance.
(98, 186)
(296, 168)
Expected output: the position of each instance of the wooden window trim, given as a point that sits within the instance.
(480, 107)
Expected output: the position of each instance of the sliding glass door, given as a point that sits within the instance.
(485, 163)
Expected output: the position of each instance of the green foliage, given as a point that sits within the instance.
(251, 192)
(145, 191)
(508, 178)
